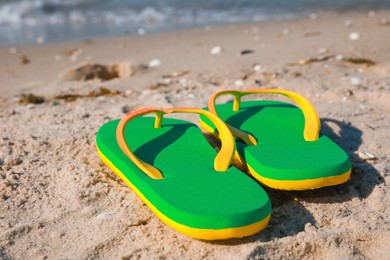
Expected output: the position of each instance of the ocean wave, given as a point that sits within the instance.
(57, 12)
(24, 20)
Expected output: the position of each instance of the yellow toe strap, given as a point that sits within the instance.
(312, 122)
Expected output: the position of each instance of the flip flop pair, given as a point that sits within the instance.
(193, 189)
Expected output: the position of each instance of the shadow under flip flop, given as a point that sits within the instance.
(364, 176)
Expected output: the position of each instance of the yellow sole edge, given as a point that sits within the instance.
(198, 233)
(310, 184)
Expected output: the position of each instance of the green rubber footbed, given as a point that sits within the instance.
(282, 153)
(191, 193)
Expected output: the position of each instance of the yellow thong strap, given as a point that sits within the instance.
(312, 122)
(222, 160)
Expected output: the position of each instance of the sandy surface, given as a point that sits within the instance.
(59, 201)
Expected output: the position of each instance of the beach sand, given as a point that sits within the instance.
(59, 201)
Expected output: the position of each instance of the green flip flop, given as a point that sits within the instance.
(170, 167)
(280, 143)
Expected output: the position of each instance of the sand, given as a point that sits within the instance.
(59, 201)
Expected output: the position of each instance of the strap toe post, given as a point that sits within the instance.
(222, 160)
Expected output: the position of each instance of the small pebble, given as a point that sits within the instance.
(216, 50)
(366, 156)
(191, 96)
(258, 82)
(154, 63)
(164, 81)
(103, 215)
(257, 67)
(183, 82)
(168, 99)
(339, 57)
(323, 50)
(141, 31)
(286, 31)
(57, 57)
(126, 109)
(353, 36)
(348, 23)
(239, 83)
(128, 93)
(356, 81)
(40, 40)
(313, 16)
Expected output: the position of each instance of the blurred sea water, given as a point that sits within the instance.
(38, 21)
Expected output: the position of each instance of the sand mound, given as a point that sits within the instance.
(99, 71)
